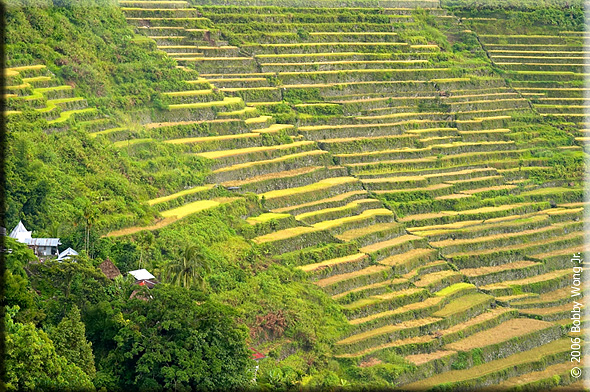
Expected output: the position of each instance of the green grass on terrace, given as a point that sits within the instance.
(454, 288)
(179, 194)
(463, 304)
(359, 62)
(190, 208)
(536, 355)
(546, 191)
(551, 73)
(266, 217)
(188, 93)
(37, 79)
(518, 327)
(363, 215)
(155, 9)
(357, 257)
(289, 45)
(25, 68)
(149, 18)
(247, 150)
(155, 2)
(210, 138)
(246, 110)
(272, 160)
(520, 36)
(236, 89)
(327, 183)
(226, 101)
(125, 143)
(330, 54)
(64, 116)
(56, 88)
(284, 234)
(107, 131)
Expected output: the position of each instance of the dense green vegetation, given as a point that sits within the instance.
(89, 45)
(33, 362)
(69, 182)
(180, 339)
(536, 21)
(325, 200)
(547, 5)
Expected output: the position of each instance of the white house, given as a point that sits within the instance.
(142, 274)
(144, 278)
(43, 247)
(67, 254)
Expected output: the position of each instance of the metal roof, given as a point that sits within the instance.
(67, 253)
(42, 241)
(142, 274)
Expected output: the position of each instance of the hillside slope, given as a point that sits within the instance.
(386, 196)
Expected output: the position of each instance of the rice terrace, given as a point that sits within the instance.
(295, 195)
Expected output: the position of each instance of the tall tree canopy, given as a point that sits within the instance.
(32, 362)
(69, 338)
(189, 268)
(169, 338)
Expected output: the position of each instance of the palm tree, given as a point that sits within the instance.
(90, 216)
(189, 268)
(145, 241)
(55, 229)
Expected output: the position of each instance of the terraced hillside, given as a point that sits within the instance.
(544, 64)
(432, 187)
(33, 87)
(33, 92)
(412, 171)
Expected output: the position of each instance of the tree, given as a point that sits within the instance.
(18, 258)
(90, 215)
(63, 284)
(55, 229)
(176, 340)
(32, 362)
(69, 338)
(144, 241)
(189, 268)
(16, 282)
